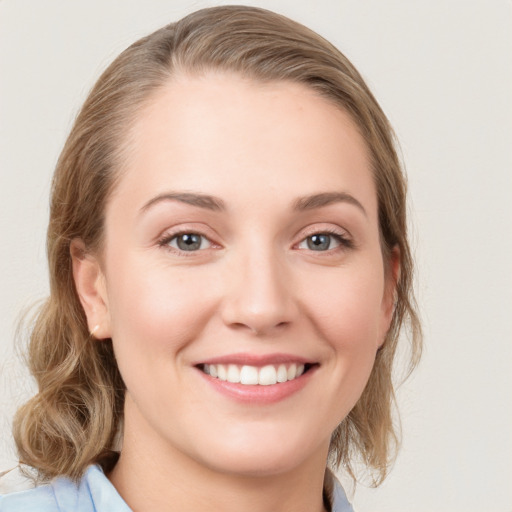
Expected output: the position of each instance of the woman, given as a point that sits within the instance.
(229, 271)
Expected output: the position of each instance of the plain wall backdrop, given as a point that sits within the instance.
(442, 71)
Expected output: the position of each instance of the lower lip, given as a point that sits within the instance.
(259, 394)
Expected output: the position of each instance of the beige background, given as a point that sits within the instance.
(442, 71)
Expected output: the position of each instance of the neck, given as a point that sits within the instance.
(153, 477)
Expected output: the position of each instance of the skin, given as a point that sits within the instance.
(255, 286)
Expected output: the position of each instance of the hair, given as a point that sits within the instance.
(75, 417)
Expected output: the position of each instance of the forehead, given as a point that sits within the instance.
(228, 135)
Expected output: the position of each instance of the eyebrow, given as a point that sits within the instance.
(209, 202)
(325, 199)
(200, 200)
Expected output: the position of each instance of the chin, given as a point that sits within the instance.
(264, 457)
(256, 465)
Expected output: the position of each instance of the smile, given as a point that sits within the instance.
(247, 375)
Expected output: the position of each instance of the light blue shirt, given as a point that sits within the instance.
(95, 493)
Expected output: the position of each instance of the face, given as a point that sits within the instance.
(242, 280)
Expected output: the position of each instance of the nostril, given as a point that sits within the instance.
(256, 329)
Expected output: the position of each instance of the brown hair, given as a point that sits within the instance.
(75, 416)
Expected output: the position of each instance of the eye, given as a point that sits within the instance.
(322, 242)
(187, 242)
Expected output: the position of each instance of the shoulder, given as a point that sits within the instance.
(338, 499)
(94, 493)
(39, 499)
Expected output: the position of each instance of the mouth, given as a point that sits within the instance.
(248, 375)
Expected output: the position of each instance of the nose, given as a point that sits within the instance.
(259, 298)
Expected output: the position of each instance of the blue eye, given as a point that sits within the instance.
(321, 242)
(188, 242)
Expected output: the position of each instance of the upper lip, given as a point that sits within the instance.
(256, 359)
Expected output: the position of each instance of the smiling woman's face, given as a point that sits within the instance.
(242, 243)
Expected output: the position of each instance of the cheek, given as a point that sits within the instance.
(346, 308)
(156, 307)
(348, 301)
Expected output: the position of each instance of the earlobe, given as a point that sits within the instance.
(90, 286)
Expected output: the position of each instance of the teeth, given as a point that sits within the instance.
(221, 372)
(233, 373)
(292, 372)
(253, 375)
(268, 376)
(249, 375)
(282, 373)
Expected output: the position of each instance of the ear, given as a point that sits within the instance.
(91, 288)
(391, 275)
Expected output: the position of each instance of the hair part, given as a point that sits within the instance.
(76, 415)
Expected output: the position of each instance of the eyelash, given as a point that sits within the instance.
(168, 238)
(344, 242)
